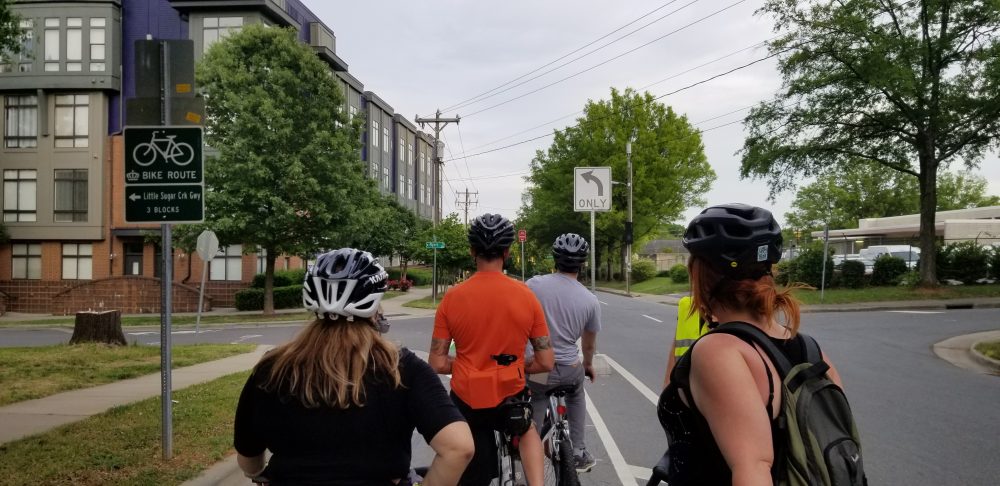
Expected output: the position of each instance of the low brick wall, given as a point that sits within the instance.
(224, 293)
(34, 296)
(130, 294)
(4, 302)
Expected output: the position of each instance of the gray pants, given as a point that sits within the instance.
(576, 404)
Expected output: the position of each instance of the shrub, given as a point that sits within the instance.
(663, 273)
(282, 278)
(418, 276)
(808, 268)
(402, 285)
(643, 270)
(969, 261)
(784, 272)
(887, 269)
(995, 263)
(288, 297)
(909, 279)
(679, 273)
(852, 274)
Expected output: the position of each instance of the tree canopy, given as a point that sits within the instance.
(912, 85)
(10, 31)
(455, 256)
(670, 171)
(875, 191)
(288, 176)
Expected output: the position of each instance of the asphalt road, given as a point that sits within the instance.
(923, 421)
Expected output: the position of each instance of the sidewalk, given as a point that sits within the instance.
(38, 416)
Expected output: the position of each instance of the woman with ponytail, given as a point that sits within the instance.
(721, 406)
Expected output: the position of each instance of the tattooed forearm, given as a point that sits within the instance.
(440, 346)
(541, 343)
(438, 357)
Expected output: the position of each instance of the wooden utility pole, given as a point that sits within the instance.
(464, 202)
(438, 124)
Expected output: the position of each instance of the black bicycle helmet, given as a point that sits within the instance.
(344, 282)
(570, 252)
(490, 235)
(739, 240)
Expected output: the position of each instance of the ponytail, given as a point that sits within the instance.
(761, 297)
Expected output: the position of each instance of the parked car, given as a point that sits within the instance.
(907, 253)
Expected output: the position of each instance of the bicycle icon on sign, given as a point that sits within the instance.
(178, 153)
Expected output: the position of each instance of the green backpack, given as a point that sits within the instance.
(817, 442)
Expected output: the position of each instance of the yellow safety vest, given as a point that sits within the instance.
(689, 327)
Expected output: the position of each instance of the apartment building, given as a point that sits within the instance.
(62, 158)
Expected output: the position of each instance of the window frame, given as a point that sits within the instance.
(52, 44)
(220, 31)
(97, 63)
(76, 183)
(76, 109)
(227, 255)
(81, 264)
(20, 215)
(28, 256)
(18, 110)
(375, 130)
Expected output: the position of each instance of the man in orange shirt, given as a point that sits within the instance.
(491, 318)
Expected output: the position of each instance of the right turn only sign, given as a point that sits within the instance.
(592, 188)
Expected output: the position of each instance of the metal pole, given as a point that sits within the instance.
(201, 298)
(629, 230)
(826, 247)
(593, 256)
(434, 275)
(522, 261)
(166, 300)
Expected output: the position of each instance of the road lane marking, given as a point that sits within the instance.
(603, 302)
(642, 473)
(622, 469)
(651, 317)
(646, 392)
(157, 333)
(915, 312)
(248, 336)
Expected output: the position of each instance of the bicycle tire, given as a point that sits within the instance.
(150, 149)
(567, 467)
(182, 151)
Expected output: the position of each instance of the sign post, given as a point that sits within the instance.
(436, 245)
(592, 193)
(208, 246)
(522, 236)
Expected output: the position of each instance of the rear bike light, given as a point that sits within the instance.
(561, 409)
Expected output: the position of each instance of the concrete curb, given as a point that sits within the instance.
(984, 360)
(224, 472)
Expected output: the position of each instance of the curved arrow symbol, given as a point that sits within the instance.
(589, 177)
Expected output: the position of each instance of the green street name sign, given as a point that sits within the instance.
(437, 245)
(164, 175)
(164, 204)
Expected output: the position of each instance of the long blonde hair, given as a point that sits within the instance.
(327, 363)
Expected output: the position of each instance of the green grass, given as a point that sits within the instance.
(122, 445)
(884, 294)
(35, 372)
(990, 349)
(391, 294)
(182, 320)
(424, 303)
(655, 285)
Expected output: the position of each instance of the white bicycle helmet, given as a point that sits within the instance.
(345, 282)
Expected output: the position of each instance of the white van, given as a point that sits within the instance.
(907, 253)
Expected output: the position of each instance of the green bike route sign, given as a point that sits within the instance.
(164, 175)
(437, 245)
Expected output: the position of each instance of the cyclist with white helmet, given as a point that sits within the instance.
(338, 404)
(492, 317)
(573, 314)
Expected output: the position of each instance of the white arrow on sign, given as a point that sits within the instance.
(135, 197)
(592, 188)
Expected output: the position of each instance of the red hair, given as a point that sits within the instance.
(711, 290)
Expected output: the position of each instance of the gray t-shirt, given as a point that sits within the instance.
(570, 309)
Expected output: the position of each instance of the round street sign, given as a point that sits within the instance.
(208, 245)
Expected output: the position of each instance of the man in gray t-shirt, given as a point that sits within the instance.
(572, 313)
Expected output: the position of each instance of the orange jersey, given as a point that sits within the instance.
(486, 315)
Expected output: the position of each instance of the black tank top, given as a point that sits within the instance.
(695, 458)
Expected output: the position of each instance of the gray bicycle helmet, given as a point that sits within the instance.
(739, 240)
(570, 252)
(344, 282)
(490, 235)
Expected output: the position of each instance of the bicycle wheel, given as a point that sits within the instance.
(182, 154)
(144, 154)
(550, 474)
(567, 468)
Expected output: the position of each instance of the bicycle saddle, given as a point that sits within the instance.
(561, 390)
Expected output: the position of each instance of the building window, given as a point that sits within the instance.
(133, 258)
(227, 264)
(74, 44)
(19, 195)
(374, 134)
(262, 260)
(52, 45)
(385, 177)
(409, 189)
(71, 195)
(26, 261)
(23, 60)
(402, 185)
(352, 111)
(402, 155)
(72, 120)
(98, 43)
(216, 28)
(385, 139)
(77, 261)
(409, 157)
(21, 121)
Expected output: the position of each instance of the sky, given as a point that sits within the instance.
(422, 56)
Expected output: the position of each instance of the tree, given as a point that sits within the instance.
(912, 85)
(875, 191)
(10, 31)
(670, 171)
(385, 229)
(454, 257)
(288, 176)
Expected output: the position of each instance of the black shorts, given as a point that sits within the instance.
(483, 422)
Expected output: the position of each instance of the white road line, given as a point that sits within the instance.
(651, 317)
(646, 392)
(603, 302)
(916, 312)
(622, 469)
(149, 333)
(642, 473)
(248, 336)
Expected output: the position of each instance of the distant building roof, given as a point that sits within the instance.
(663, 246)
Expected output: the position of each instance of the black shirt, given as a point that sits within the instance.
(357, 445)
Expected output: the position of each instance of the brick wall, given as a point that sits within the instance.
(34, 296)
(224, 293)
(131, 294)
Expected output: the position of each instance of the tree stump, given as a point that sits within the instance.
(101, 327)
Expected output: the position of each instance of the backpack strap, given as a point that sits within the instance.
(751, 333)
(814, 356)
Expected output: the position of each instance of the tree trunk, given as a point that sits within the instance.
(404, 263)
(101, 327)
(928, 213)
(269, 282)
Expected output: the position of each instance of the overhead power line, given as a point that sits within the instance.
(647, 14)
(619, 56)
